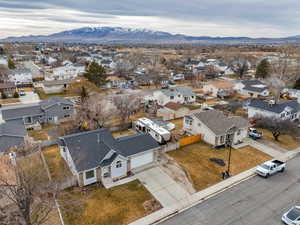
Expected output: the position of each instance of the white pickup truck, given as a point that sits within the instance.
(269, 168)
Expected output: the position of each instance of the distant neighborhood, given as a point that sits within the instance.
(90, 131)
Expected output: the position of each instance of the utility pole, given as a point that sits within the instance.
(229, 140)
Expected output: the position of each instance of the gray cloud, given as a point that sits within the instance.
(198, 17)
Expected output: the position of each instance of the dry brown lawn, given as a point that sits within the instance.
(285, 141)
(204, 173)
(40, 135)
(9, 101)
(56, 164)
(178, 123)
(115, 206)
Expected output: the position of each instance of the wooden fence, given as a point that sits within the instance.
(189, 140)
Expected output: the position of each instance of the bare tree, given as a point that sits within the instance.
(127, 105)
(277, 126)
(285, 70)
(30, 191)
(240, 65)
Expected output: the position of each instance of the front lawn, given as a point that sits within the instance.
(115, 206)
(56, 164)
(195, 159)
(285, 141)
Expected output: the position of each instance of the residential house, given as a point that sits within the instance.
(252, 88)
(280, 110)
(8, 88)
(178, 94)
(96, 156)
(21, 77)
(172, 111)
(56, 86)
(66, 72)
(218, 88)
(12, 134)
(214, 126)
(51, 110)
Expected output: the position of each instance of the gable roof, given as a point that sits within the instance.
(218, 123)
(275, 108)
(183, 90)
(89, 149)
(254, 85)
(20, 111)
(14, 128)
(221, 84)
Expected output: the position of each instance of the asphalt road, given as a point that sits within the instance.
(257, 201)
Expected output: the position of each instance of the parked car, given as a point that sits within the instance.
(269, 168)
(254, 134)
(292, 217)
(22, 92)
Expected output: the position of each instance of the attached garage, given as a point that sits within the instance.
(141, 160)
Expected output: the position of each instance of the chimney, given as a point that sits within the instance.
(271, 103)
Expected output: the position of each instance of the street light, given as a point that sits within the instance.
(228, 143)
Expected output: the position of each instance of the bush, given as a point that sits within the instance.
(16, 95)
(3, 95)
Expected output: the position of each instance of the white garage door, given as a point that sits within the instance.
(141, 160)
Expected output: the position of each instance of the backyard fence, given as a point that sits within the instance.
(189, 140)
(170, 146)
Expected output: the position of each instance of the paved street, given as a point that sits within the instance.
(257, 201)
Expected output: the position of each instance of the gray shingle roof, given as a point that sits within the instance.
(218, 123)
(183, 90)
(18, 112)
(88, 149)
(254, 85)
(275, 108)
(14, 128)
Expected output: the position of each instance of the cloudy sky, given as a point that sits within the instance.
(254, 18)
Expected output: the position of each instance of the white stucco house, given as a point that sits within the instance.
(96, 156)
(252, 88)
(20, 76)
(179, 94)
(214, 126)
(280, 110)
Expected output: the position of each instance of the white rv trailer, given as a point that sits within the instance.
(160, 134)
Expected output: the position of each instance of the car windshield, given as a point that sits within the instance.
(294, 214)
(265, 166)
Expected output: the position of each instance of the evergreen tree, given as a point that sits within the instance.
(263, 69)
(11, 64)
(95, 73)
(83, 94)
(3, 95)
(16, 95)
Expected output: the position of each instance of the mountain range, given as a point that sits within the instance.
(120, 35)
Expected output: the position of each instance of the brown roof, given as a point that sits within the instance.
(7, 85)
(174, 106)
(221, 84)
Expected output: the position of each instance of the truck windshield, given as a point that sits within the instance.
(265, 166)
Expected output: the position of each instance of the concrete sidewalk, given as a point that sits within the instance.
(207, 193)
(264, 148)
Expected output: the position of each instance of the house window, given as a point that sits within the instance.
(222, 139)
(199, 124)
(50, 118)
(171, 97)
(179, 96)
(106, 174)
(118, 164)
(89, 174)
(66, 107)
(239, 132)
(67, 116)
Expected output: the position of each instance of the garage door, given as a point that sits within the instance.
(141, 160)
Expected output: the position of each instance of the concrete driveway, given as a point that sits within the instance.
(30, 97)
(162, 186)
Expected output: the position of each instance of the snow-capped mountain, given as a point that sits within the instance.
(113, 35)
